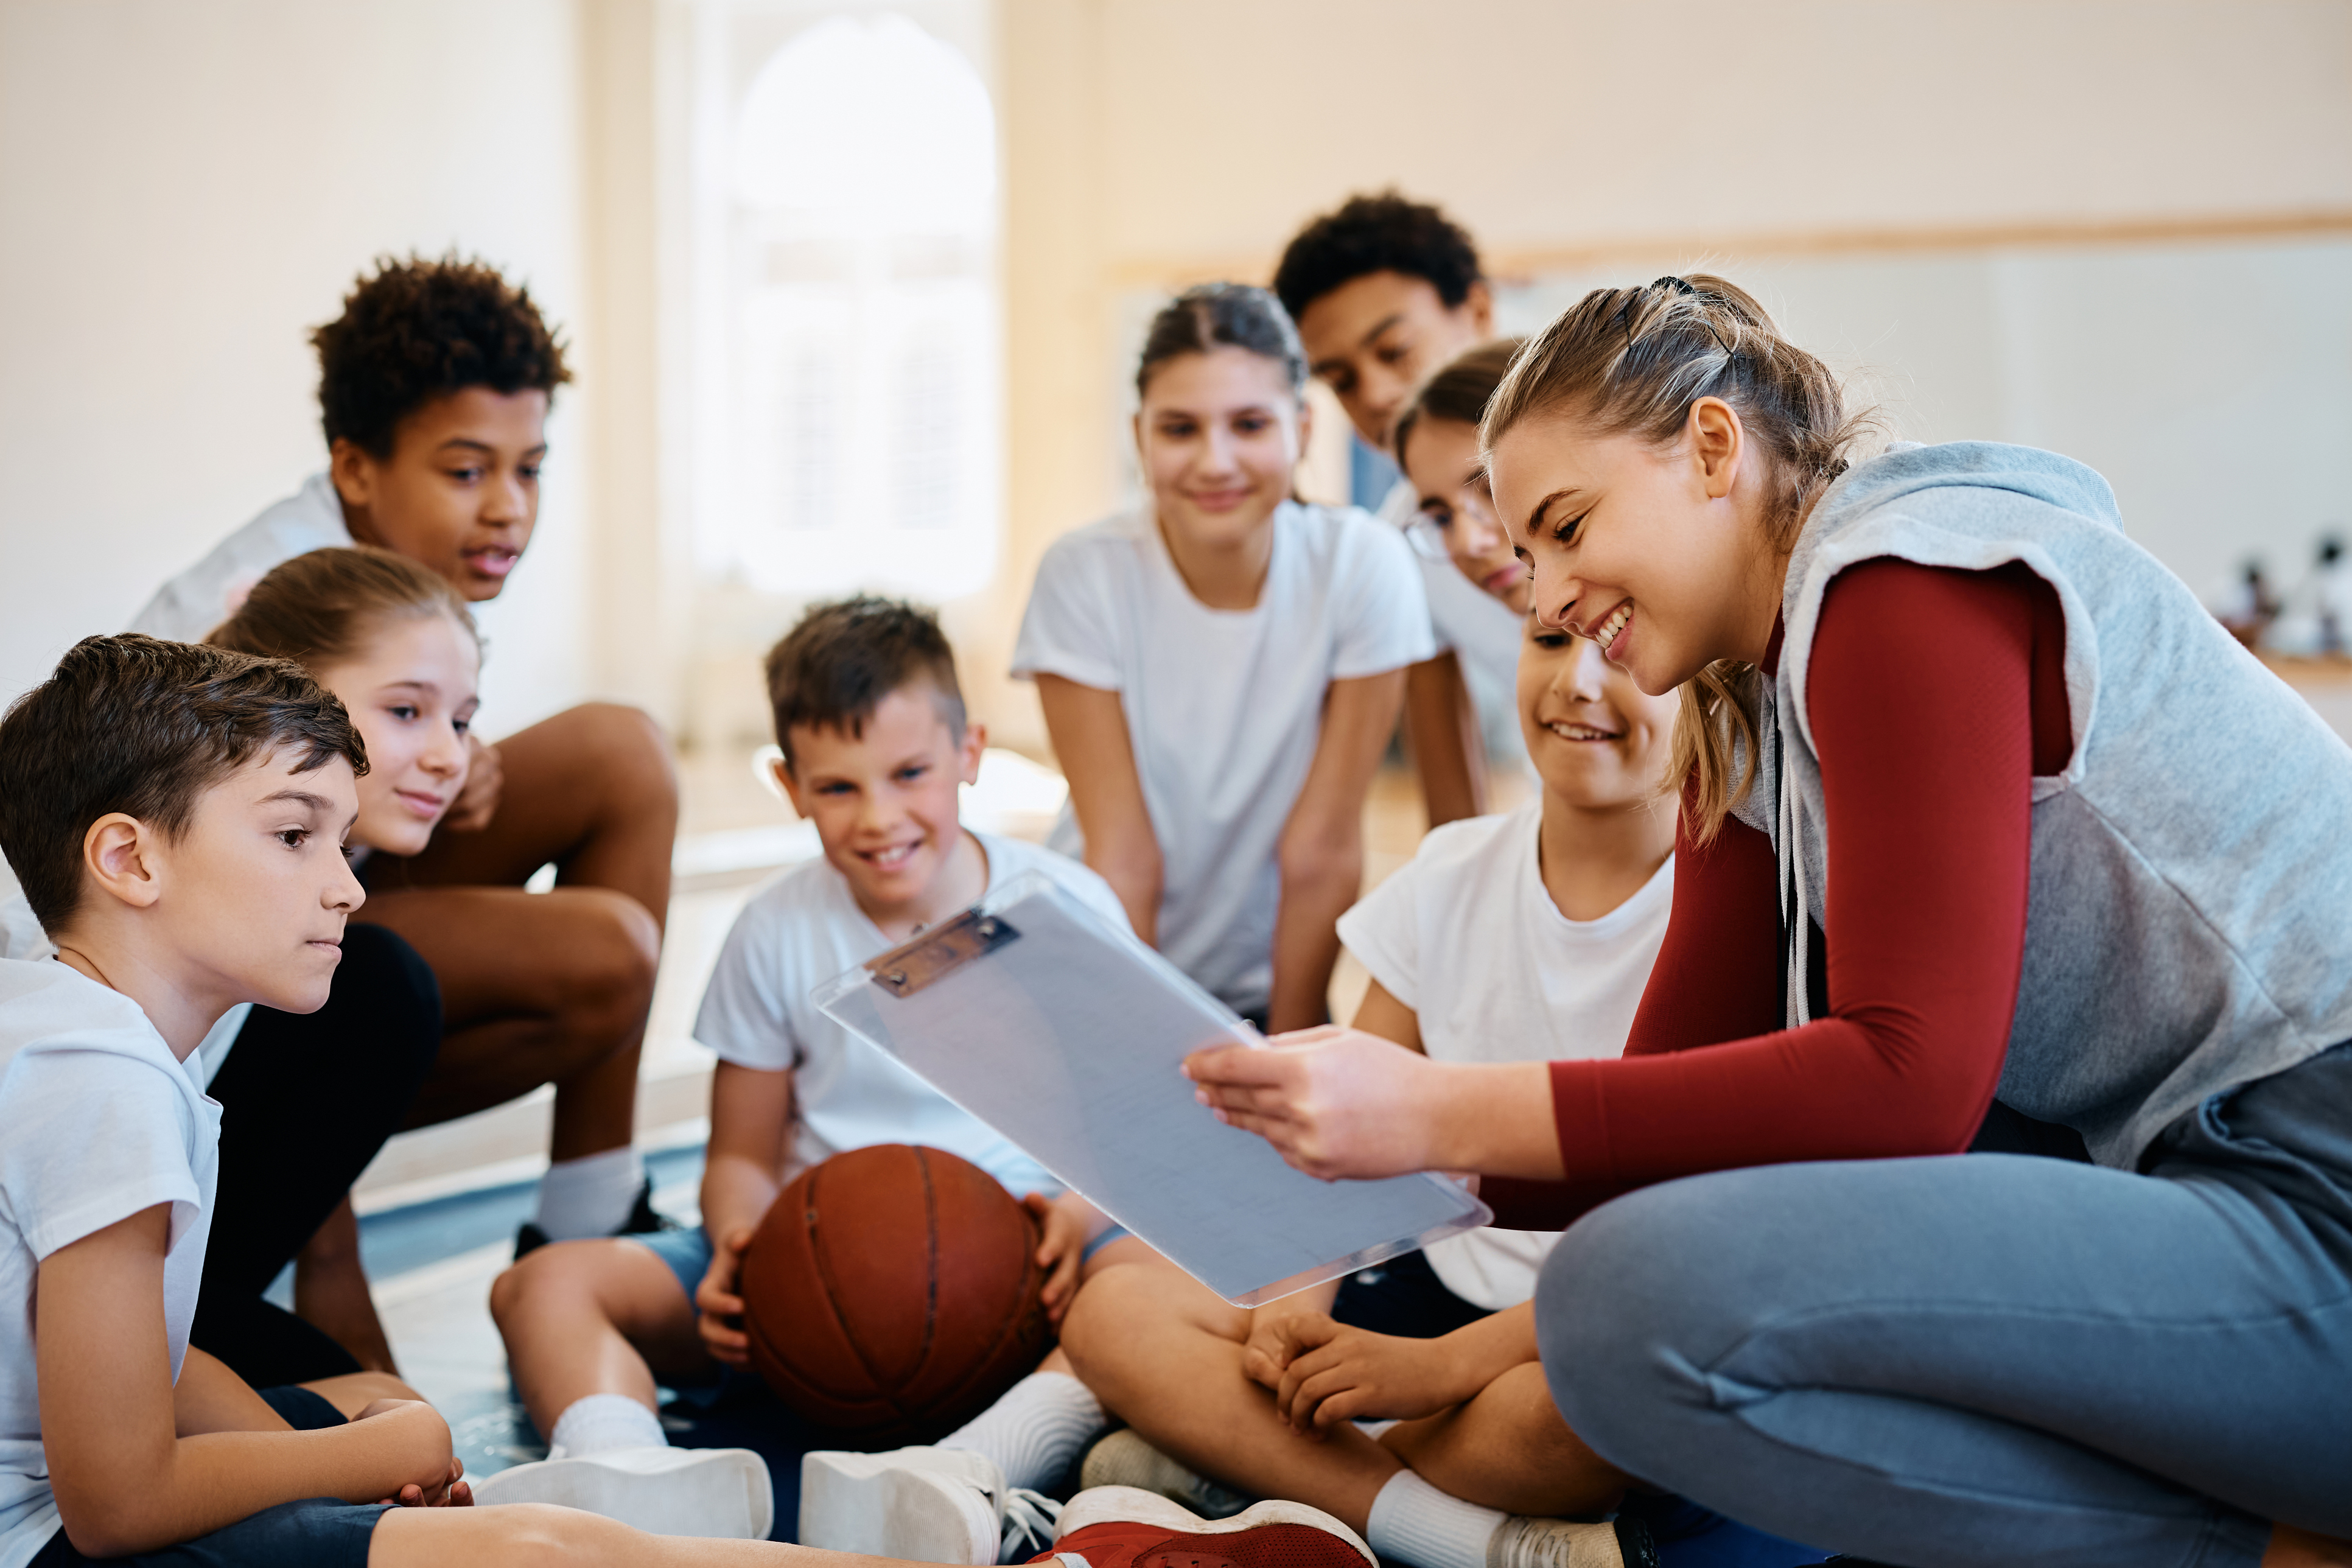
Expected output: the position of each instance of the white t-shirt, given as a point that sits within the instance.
(1481, 630)
(1466, 935)
(22, 938)
(1223, 707)
(208, 593)
(799, 931)
(98, 1122)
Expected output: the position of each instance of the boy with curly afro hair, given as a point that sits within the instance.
(434, 389)
(1386, 291)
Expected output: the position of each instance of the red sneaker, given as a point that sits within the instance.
(1124, 1527)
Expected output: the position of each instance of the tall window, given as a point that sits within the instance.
(859, 339)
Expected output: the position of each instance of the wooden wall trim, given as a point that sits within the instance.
(1508, 262)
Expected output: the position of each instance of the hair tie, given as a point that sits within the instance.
(1684, 286)
(1680, 285)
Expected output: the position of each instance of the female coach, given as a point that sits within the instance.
(2045, 830)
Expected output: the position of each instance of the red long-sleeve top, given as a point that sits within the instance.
(1936, 697)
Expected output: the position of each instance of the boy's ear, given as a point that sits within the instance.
(1480, 302)
(119, 854)
(975, 742)
(782, 772)
(352, 470)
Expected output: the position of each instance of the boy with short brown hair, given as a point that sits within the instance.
(876, 743)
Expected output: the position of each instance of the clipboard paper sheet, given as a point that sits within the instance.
(1065, 1035)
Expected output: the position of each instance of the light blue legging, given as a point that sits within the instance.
(1988, 1359)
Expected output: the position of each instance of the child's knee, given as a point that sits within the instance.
(540, 1535)
(611, 950)
(1104, 1300)
(561, 1273)
(631, 751)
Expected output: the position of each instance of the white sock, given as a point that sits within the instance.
(1415, 1522)
(1034, 1433)
(605, 1421)
(590, 1196)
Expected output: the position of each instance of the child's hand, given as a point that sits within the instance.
(419, 1445)
(453, 1491)
(721, 1309)
(1330, 1372)
(1333, 1102)
(478, 797)
(1063, 1223)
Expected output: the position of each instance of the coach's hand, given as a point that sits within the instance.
(1340, 1102)
(719, 1310)
(1334, 1102)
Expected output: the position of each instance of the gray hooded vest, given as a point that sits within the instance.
(2189, 923)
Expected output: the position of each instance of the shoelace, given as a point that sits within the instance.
(1029, 1520)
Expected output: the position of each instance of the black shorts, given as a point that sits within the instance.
(1403, 1296)
(315, 1532)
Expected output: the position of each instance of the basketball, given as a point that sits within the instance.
(892, 1293)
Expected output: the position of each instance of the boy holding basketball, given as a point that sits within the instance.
(875, 744)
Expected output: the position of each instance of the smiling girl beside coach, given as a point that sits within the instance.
(2042, 828)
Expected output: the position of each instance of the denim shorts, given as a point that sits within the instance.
(314, 1532)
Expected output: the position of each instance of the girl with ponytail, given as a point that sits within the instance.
(1976, 801)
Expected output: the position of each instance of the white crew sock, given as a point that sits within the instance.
(602, 1421)
(590, 1196)
(1036, 1431)
(1415, 1522)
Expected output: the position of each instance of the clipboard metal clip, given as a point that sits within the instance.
(941, 951)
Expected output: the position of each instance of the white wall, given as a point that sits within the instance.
(186, 189)
(2202, 379)
(2122, 230)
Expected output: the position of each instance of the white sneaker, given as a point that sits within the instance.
(722, 1492)
(921, 1505)
(1524, 1543)
(1125, 1459)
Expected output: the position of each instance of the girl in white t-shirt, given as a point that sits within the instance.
(1527, 935)
(1222, 668)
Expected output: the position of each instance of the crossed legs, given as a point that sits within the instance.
(1165, 1354)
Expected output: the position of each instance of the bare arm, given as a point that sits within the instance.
(126, 1480)
(209, 1397)
(1321, 854)
(1440, 725)
(1382, 1015)
(1088, 727)
(750, 1117)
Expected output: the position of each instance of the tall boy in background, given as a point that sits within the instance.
(871, 724)
(435, 386)
(1385, 291)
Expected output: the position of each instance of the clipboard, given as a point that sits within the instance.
(1063, 1034)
